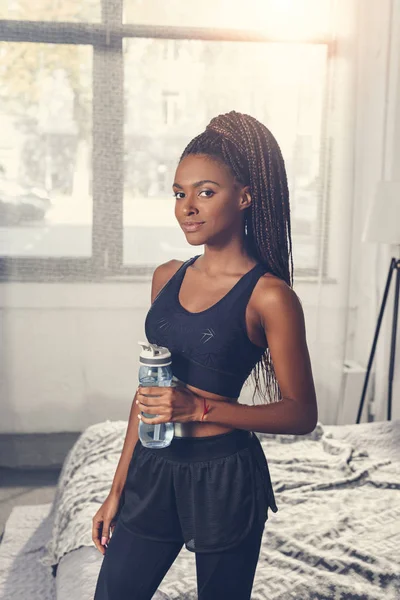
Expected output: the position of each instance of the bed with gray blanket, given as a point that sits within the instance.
(336, 533)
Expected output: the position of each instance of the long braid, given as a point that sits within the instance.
(254, 157)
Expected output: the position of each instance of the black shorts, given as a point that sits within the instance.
(206, 492)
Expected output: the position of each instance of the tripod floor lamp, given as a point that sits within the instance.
(383, 226)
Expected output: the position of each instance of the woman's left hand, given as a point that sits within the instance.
(171, 404)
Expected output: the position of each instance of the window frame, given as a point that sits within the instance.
(106, 39)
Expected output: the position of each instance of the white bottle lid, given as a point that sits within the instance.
(154, 355)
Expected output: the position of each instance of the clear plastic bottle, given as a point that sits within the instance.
(155, 371)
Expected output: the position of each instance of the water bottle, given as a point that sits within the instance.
(155, 371)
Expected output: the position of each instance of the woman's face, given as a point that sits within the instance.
(206, 192)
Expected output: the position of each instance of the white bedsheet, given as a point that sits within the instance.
(337, 531)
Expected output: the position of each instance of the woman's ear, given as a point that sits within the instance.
(245, 200)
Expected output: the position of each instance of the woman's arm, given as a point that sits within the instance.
(282, 319)
(285, 416)
(131, 438)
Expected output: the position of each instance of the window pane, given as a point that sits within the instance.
(88, 11)
(275, 17)
(173, 89)
(45, 150)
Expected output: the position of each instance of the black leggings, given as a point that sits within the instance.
(133, 567)
(211, 494)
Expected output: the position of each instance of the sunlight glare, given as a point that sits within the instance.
(283, 19)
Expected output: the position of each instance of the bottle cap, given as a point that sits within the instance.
(153, 355)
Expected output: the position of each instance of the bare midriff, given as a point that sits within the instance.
(197, 428)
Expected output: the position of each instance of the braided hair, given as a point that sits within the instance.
(249, 149)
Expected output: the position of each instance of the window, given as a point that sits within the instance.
(97, 114)
(170, 108)
(306, 18)
(45, 150)
(80, 11)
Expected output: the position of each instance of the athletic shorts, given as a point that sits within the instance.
(206, 492)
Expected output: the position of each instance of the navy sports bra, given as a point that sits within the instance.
(210, 349)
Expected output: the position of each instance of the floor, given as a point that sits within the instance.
(25, 486)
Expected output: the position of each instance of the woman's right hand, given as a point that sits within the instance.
(103, 521)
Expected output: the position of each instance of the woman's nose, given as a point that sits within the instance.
(189, 205)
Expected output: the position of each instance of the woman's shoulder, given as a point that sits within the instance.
(162, 274)
(272, 294)
(170, 266)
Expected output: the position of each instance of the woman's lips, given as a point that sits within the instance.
(189, 228)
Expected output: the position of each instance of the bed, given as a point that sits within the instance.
(336, 533)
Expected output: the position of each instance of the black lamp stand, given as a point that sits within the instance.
(394, 266)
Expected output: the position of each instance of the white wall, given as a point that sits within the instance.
(377, 158)
(69, 353)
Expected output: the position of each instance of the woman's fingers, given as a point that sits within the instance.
(105, 536)
(96, 533)
(163, 412)
(151, 408)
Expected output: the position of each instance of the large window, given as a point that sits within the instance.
(94, 116)
(45, 150)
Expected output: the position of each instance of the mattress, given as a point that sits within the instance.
(22, 575)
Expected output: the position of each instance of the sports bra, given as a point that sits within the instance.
(210, 349)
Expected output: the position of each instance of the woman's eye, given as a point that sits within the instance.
(209, 192)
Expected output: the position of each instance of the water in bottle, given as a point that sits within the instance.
(155, 371)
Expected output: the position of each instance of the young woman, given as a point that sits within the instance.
(224, 314)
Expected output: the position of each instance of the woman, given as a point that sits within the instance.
(223, 315)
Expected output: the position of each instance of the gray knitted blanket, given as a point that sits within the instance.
(336, 534)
